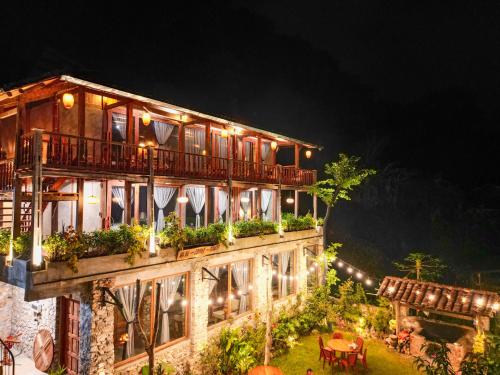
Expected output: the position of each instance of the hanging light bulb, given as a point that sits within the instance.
(290, 200)
(182, 200)
(359, 275)
(340, 264)
(308, 154)
(244, 199)
(146, 118)
(368, 282)
(274, 145)
(349, 269)
(92, 199)
(68, 100)
(224, 133)
(204, 152)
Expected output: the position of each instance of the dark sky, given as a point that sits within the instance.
(415, 83)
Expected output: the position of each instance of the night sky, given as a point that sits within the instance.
(415, 84)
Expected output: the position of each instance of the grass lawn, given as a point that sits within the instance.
(381, 360)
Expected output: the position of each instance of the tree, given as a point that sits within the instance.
(342, 177)
(422, 266)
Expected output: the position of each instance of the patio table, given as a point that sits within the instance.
(341, 345)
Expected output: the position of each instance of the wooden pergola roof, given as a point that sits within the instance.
(440, 298)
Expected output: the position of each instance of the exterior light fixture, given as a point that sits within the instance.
(244, 199)
(480, 301)
(92, 199)
(359, 275)
(142, 145)
(349, 269)
(274, 145)
(68, 100)
(250, 287)
(182, 200)
(431, 297)
(184, 302)
(496, 306)
(146, 118)
(464, 299)
(290, 200)
(224, 133)
(220, 300)
(308, 154)
(204, 152)
(340, 264)
(368, 282)
(391, 289)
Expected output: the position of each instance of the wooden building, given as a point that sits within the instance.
(80, 154)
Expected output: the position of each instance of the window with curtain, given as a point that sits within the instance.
(172, 323)
(312, 267)
(283, 280)
(230, 295)
(245, 211)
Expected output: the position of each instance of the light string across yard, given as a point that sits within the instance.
(356, 272)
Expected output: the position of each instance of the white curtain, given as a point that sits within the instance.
(119, 122)
(266, 150)
(127, 297)
(265, 202)
(285, 259)
(168, 293)
(162, 131)
(245, 205)
(240, 273)
(118, 192)
(212, 283)
(222, 146)
(222, 204)
(194, 140)
(196, 195)
(162, 196)
(249, 151)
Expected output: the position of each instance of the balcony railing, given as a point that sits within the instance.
(93, 155)
(6, 174)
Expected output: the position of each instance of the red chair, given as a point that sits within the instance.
(325, 353)
(337, 335)
(349, 361)
(362, 358)
(359, 344)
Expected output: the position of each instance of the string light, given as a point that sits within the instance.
(360, 275)
(340, 264)
(349, 269)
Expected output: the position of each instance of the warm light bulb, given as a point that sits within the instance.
(182, 199)
(349, 269)
(68, 100)
(496, 306)
(204, 152)
(250, 287)
(480, 301)
(368, 282)
(359, 275)
(391, 289)
(92, 199)
(146, 118)
(184, 302)
(308, 154)
(220, 300)
(340, 264)
(290, 200)
(224, 133)
(244, 199)
(274, 145)
(431, 297)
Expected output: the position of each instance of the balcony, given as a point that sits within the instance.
(72, 153)
(6, 175)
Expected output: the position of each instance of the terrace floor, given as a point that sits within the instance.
(381, 360)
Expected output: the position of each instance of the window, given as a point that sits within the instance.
(283, 274)
(230, 295)
(172, 318)
(312, 267)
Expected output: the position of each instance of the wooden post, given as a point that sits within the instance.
(136, 215)
(55, 115)
(182, 206)
(296, 203)
(126, 207)
(79, 205)
(315, 207)
(37, 200)
(397, 312)
(130, 123)
(16, 207)
(278, 203)
(258, 203)
(150, 202)
(297, 156)
(208, 206)
(104, 203)
(81, 112)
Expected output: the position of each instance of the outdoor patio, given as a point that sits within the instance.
(380, 359)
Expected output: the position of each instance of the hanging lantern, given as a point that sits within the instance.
(92, 199)
(290, 200)
(244, 199)
(274, 145)
(204, 152)
(68, 100)
(308, 154)
(224, 133)
(182, 199)
(146, 118)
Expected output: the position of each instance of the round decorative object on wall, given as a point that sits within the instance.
(43, 350)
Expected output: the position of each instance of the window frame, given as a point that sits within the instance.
(187, 296)
(309, 249)
(293, 273)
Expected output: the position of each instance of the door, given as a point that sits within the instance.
(70, 335)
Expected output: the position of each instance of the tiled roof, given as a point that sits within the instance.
(438, 297)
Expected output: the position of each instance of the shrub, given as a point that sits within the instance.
(436, 360)
(380, 320)
(210, 235)
(348, 304)
(4, 241)
(172, 234)
(292, 223)
(487, 362)
(254, 227)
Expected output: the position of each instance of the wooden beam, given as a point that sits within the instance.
(81, 112)
(127, 214)
(208, 206)
(79, 205)
(297, 156)
(296, 203)
(130, 123)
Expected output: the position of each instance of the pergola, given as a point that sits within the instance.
(454, 301)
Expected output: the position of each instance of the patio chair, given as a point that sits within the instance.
(359, 344)
(325, 353)
(362, 358)
(349, 361)
(337, 335)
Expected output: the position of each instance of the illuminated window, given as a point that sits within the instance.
(283, 280)
(172, 318)
(230, 295)
(312, 267)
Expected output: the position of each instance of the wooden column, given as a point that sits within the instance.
(81, 112)
(259, 203)
(181, 207)
(397, 312)
(259, 150)
(315, 207)
(216, 205)
(16, 206)
(79, 205)
(208, 206)
(55, 115)
(208, 140)
(137, 189)
(150, 208)
(180, 146)
(37, 200)
(297, 156)
(130, 123)
(278, 202)
(104, 204)
(127, 214)
(296, 203)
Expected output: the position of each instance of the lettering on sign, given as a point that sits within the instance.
(196, 252)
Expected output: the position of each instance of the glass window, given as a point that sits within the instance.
(172, 318)
(230, 295)
(282, 283)
(312, 267)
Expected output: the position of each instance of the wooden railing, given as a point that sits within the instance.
(6, 174)
(7, 360)
(94, 155)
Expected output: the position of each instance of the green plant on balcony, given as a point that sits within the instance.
(291, 223)
(173, 234)
(4, 241)
(254, 227)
